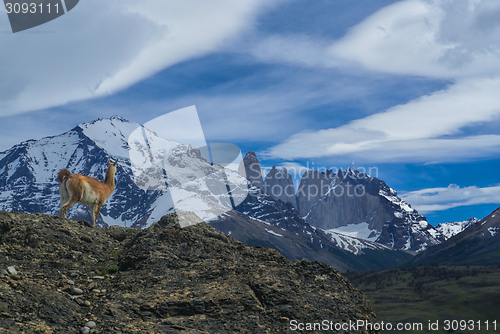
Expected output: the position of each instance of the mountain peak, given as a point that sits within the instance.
(110, 134)
(250, 167)
(451, 229)
(119, 118)
(279, 185)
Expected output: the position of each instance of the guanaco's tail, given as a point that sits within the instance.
(63, 175)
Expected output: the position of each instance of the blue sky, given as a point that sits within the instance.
(406, 88)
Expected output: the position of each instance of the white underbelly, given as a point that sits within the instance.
(89, 196)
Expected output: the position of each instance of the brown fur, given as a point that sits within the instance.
(63, 174)
(75, 188)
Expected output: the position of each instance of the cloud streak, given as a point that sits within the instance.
(417, 38)
(102, 47)
(411, 131)
(439, 199)
(442, 39)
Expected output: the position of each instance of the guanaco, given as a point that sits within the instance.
(78, 188)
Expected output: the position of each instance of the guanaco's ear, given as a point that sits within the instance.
(109, 162)
(116, 162)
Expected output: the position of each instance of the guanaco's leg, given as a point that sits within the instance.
(94, 211)
(64, 198)
(72, 201)
(73, 195)
(97, 210)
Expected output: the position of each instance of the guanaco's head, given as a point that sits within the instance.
(112, 166)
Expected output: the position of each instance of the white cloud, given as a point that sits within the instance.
(301, 50)
(411, 131)
(441, 38)
(424, 38)
(104, 46)
(439, 199)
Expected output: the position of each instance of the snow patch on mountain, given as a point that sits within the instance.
(274, 233)
(352, 244)
(451, 229)
(360, 231)
(493, 231)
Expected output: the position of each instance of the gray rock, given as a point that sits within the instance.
(354, 198)
(85, 330)
(279, 185)
(76, 291)
(250, 168)
(90, 324)
(12, 270)
(313, 185)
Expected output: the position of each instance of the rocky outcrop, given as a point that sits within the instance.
(354, 198)
(313, 186)
(279, 185)
(250, 168)
(61, 276)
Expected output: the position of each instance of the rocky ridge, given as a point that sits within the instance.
(478, 245)
(279, 185)
(367, 206)
(359, 211)
(62, 276)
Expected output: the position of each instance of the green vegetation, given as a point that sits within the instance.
(115, 254)
(109, 269)
(432, 293)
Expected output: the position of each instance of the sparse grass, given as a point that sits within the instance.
(432, 293)
(115, 254)
(109, 269)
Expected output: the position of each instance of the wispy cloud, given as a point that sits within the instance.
(293, 49)
(410, 132)
(446, 39)
(439, 199)
(417, 38)
(102, 47)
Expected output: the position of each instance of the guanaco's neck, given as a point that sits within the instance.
(109, 180)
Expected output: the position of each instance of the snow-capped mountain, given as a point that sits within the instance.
(284, 222)
(285, 217)
(263, 220)
(28, 173)
(478, 245)
(449, 230)
(357, 205)
(187, 182)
